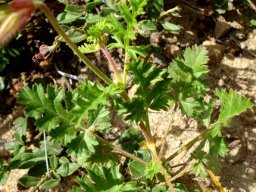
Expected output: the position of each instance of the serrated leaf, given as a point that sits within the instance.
(105, 179)
(99, 120)
(232, 104)
(217, 147)
(199, 169)
(196, 58)
(82, 146)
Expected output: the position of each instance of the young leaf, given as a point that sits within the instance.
(137, 169)
(232, 104)
(189, 81)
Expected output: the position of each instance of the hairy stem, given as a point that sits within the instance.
(162, 146)
(43, 8)
(112, 63)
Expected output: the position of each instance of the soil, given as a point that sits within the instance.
(231, 65)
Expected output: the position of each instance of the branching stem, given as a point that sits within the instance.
(147, 134)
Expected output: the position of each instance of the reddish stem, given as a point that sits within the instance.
(111, 62)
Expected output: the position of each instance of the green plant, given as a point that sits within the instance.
(71, 123)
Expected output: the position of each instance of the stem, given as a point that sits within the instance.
(214, 178)
(181, 173)
(46, 155)
(119, 151)
(167, 131)
(43, 8)
(147, 134)
(126, 59)
(112, 63)
(152, 148)
(188, 145)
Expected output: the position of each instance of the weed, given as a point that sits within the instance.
(72, 122)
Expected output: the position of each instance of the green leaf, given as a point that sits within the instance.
(137, 169)
(137, 7)
(217, 147)
(27, 160)
(155, 8)
(199, 169)
(78, 36)
(106, 179)
(99, 120)
(130, 139)
(71, 13)
(53, 162)
(196, 58)
(2, 85)
(4, 174)
(253, 22)
(29, 181)
(128, 16)
(141, 50)
(50, 184)
(232, 104)
(189, 82)
(38, 170)
(82, 147)
(67, 169)
(20, 131)
(175, 29)
(146, 27)
(151, 170)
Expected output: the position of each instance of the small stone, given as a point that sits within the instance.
(221, 28)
